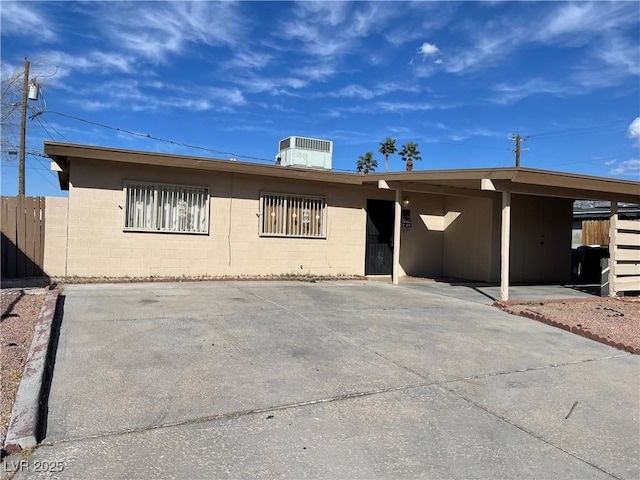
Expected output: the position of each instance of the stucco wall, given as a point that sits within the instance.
(98, 246)
(421, 245)
(55, 236)
(467, 239)
(540, 239)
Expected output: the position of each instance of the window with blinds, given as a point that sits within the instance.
(166, 208)
(284, 215)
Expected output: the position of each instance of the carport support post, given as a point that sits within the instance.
(612, 248)
(396, 238)
(504, 245)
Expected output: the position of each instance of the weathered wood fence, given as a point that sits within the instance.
(22, 236)
(595, 232)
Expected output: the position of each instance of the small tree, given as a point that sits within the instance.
(409, 153)
(388, 147)
(366, 163)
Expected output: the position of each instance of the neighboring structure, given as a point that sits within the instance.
(140, 214)
(591, 221)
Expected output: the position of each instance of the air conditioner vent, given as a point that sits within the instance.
(313, 144)
(286, 143)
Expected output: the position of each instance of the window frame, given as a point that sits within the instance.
(157, 186)
(288, 197)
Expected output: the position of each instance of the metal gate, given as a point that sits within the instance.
(379, 246)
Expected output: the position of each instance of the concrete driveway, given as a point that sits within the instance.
(329, 380)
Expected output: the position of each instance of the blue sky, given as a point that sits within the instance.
(235, 78)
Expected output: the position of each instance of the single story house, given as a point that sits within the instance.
(141, 214)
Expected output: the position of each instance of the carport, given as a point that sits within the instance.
(528, 215)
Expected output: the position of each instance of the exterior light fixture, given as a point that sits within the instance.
(405, 203)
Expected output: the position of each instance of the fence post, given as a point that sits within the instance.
(613, 248)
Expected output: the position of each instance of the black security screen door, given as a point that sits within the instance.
(379, 255)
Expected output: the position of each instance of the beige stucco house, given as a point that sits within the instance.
(141, 214)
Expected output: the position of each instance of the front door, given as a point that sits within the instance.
(379, 247)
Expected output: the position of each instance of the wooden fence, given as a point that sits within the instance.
(22, 236)
(595, 232)
(624, 274)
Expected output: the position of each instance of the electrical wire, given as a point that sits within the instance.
(45, 166)
(44, 128)
(152, 137)
(40, 120)
(577, 131)
(543, 135)
(173, 142)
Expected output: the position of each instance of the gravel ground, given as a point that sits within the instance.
(20, 310)
(610, 318)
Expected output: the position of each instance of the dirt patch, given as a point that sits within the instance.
(612, 321)
(20, 311)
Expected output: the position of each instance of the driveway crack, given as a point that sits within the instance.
(531, 433)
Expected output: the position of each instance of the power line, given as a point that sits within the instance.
(173, 142)
(44, 128)
(45, 167)
(47, 179)
(577, 131)
(52, 127)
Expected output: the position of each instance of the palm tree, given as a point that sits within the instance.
(366, 163)
(388, 147)
(409, 153)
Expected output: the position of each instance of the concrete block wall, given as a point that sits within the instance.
(421, 245)
(467, 251)
(55, 236)
(98, 246)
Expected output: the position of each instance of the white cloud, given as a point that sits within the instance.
(351, 91)
(431, 16)
(134, 95)
(274, 86)
(399, 107)
(333, 29)
(428, 49)
(318, 72)
(53, 66)
(628, 168)
(249, 60)
(486, 50)
(634, 131)
(25, 18)
(474, 132)
(597, 25)
(511, 93)
(358, 91)
(574, 22)
(155, 30)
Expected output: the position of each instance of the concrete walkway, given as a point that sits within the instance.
(331, 380)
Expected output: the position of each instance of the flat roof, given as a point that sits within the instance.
(472, 182)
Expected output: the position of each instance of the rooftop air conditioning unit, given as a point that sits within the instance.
(305, 152)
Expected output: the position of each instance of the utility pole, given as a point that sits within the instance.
(518, 139)
(23, 129)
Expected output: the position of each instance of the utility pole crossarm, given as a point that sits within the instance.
(518, 139)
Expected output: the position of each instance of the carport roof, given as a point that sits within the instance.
(529, 181)
(466, 182)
